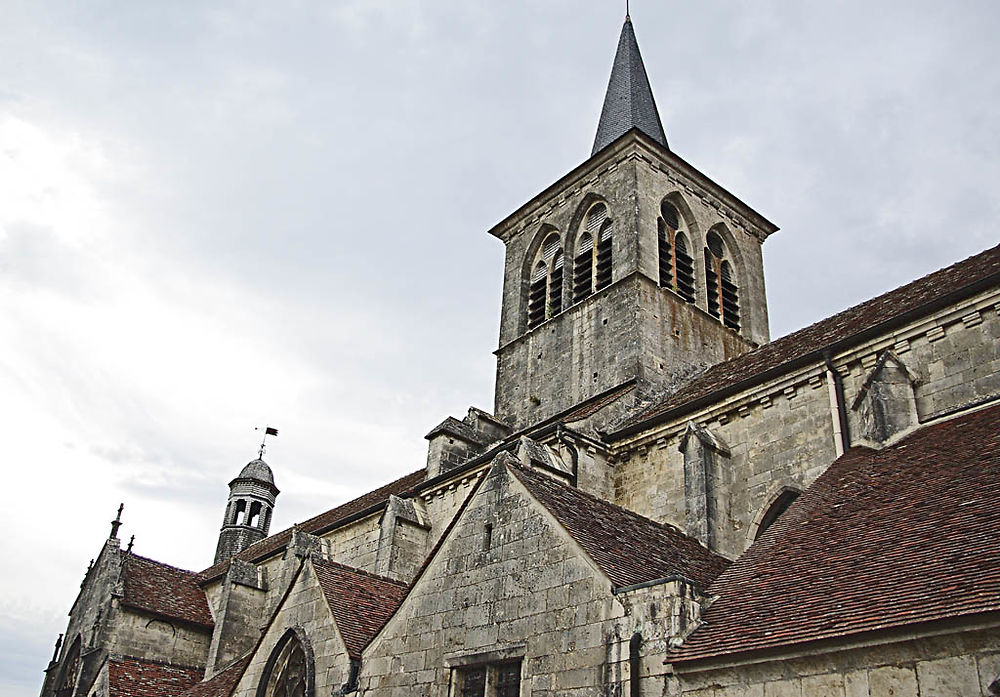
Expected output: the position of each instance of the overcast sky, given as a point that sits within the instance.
(218, 215)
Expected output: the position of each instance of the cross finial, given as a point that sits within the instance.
(268, 431)
(117, 522)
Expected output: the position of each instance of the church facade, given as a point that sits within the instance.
(662, 502)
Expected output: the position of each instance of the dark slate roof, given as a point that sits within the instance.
(629, 548)
(318, 524)
(164, 590)
(134, 677)
(259, 470)
(629, 100)
(361, 602)
(895, 307)
(221, 684)
(907, 534)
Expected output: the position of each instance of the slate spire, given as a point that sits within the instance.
(629, 102)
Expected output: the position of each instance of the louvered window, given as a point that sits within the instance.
(583, 268)
(593, 263)
(676, 264)
(721, 291)
(545, 286)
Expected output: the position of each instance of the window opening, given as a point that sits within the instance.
(287, 674)
(545, 288)
(676, 264)
(602, 274)
(582, 278)
(721, 292)
(474, 682)
(238, 511)
(253, 517)
(555, 285)
(536, 296)
(502, 679)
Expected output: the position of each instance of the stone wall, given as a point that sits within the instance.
(949, 665)
(138, 634)
(528, 593)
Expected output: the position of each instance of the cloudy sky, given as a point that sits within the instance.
(217, 215)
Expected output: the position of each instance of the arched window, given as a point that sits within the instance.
(289, 670)
(676, 264)
(785, 499)
(721, 290)
(593, 263)
(70, 671)
(238, 510)
(253, 517)
(545, 288)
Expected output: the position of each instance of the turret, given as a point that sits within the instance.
(248, 514)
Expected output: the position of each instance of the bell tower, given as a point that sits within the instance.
(632, 269)
(248, 513)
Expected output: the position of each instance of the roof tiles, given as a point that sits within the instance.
(134, 677)
(220, 685)
(903, 535)
(164, 590)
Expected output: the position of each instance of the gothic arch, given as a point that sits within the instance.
(738, 276)
(777, 503)
(576, 221)
(675, 250)
(290, 670)
(531, 258)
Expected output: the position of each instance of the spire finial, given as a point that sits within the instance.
(268, 431)
(55, 654)
(130, 543)
(117, 522)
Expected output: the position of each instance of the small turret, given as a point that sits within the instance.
(248, 513)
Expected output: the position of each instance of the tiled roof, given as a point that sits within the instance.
(629, 548)
(133, 677)
(324, 521)
(164, 590)
(907, 534)
(894, 306)
(360, 602)
(220, 685)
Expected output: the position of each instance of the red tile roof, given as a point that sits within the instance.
(321, 523)
(222, 684)
(896, 306)
(361, 602)
(629, 548)
(164, 590)
(907, 534)
(134, 677)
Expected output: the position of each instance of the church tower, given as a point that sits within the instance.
(633, 269)
(248, 514)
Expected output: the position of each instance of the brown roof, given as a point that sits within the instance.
(134, 677)
(629, 548)
(164, 590)
(907, 534)
(221, 684)
(318, 524)
(896, 306)
(361, 602)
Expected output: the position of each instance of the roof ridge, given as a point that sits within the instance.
(133, 555)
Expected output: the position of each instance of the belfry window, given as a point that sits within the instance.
(721, 291)
(238, 510)
(593, 262)
(545, 287)
(676, 264)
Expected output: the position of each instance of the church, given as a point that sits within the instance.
(663, 501)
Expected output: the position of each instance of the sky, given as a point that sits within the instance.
(219, 215)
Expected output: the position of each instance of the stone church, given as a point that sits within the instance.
(662, 502)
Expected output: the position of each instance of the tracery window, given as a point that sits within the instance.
(722, 293)
(676, 264)
(494, 679)
(288, 672)
(545, 289)
(593, 262)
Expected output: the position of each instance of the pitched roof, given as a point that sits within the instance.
(134, 677)
(221, 684)
(321, 523)
(907, 534)
(360, 602)
(629, 101)
(897, 306)
(629, 548)
(164, 590)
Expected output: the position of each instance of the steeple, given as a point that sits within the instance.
(629, 101)
(248, 513)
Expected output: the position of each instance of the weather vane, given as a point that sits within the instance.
(268, 431)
